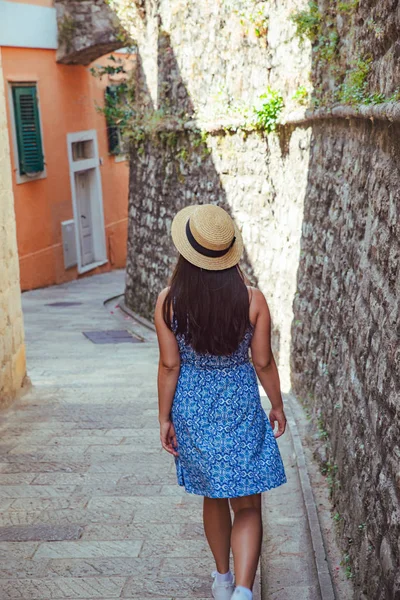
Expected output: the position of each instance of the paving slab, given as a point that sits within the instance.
(31, 491)
(49, 533)
(58, 588)
(107, 567)
(90, 505)
(85, 549)
(17, 549)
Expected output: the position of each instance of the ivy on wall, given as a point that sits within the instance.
(134, 125)
(350, 82)
(119, 107)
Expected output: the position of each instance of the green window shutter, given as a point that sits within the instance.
(112, 128)
(27, 125)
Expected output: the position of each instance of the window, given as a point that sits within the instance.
(115, 110)
(27, 130)
(82, 150)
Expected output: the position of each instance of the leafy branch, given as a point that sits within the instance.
(268, 109)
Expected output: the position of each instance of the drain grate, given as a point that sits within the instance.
(111, 336)
(61, 304)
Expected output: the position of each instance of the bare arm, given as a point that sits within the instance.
(263, 359)
(168, 373)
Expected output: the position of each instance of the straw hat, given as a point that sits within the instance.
(207, 237)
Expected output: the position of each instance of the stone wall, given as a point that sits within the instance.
(356, 36)
(345, 354)
(87, 30)
(222, 59)
(346, 336)
(211, 66)
(12, 349)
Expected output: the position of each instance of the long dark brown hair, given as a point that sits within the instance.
(211, 308)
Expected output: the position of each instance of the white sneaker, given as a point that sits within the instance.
(239, 595)
(222, 591)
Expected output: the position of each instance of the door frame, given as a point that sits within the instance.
(88, 164)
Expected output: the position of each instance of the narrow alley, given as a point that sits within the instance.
(90, 508)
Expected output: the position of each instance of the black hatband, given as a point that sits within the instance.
(201, 249)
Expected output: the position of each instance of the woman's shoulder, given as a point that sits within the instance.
(160, 300)
(258, 304)
(255, 295)
(163, 294)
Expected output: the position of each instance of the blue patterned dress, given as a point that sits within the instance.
(225, 441)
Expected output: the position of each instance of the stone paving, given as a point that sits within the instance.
(89, 505)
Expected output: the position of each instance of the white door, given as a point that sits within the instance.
(87, 199)
(83, 200)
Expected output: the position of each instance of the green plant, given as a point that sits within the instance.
(336, 517)
(226, 105)
(329, 468)
(301, 95)
(327, 46)
(198, 140)
(136, 123)
(345, 562)
(168, 138)
(254, 13)
(354, 88)
(119, 101)
(348, 572)
(118, 114)
(260, 20)
(377, 30)
(332, 483)
(315, 102)
(395, 97)
(325, 468)
(348, 7)
(182, 154)
(307, 22)
(323, 434)
(261, 27)
(374, 98)
(116, 67)
(268, 110)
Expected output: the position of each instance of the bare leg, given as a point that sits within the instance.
(246, 538)
(217, 527)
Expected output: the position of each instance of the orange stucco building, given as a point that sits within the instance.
(71, 206)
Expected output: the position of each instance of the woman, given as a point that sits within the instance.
(210, 413)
